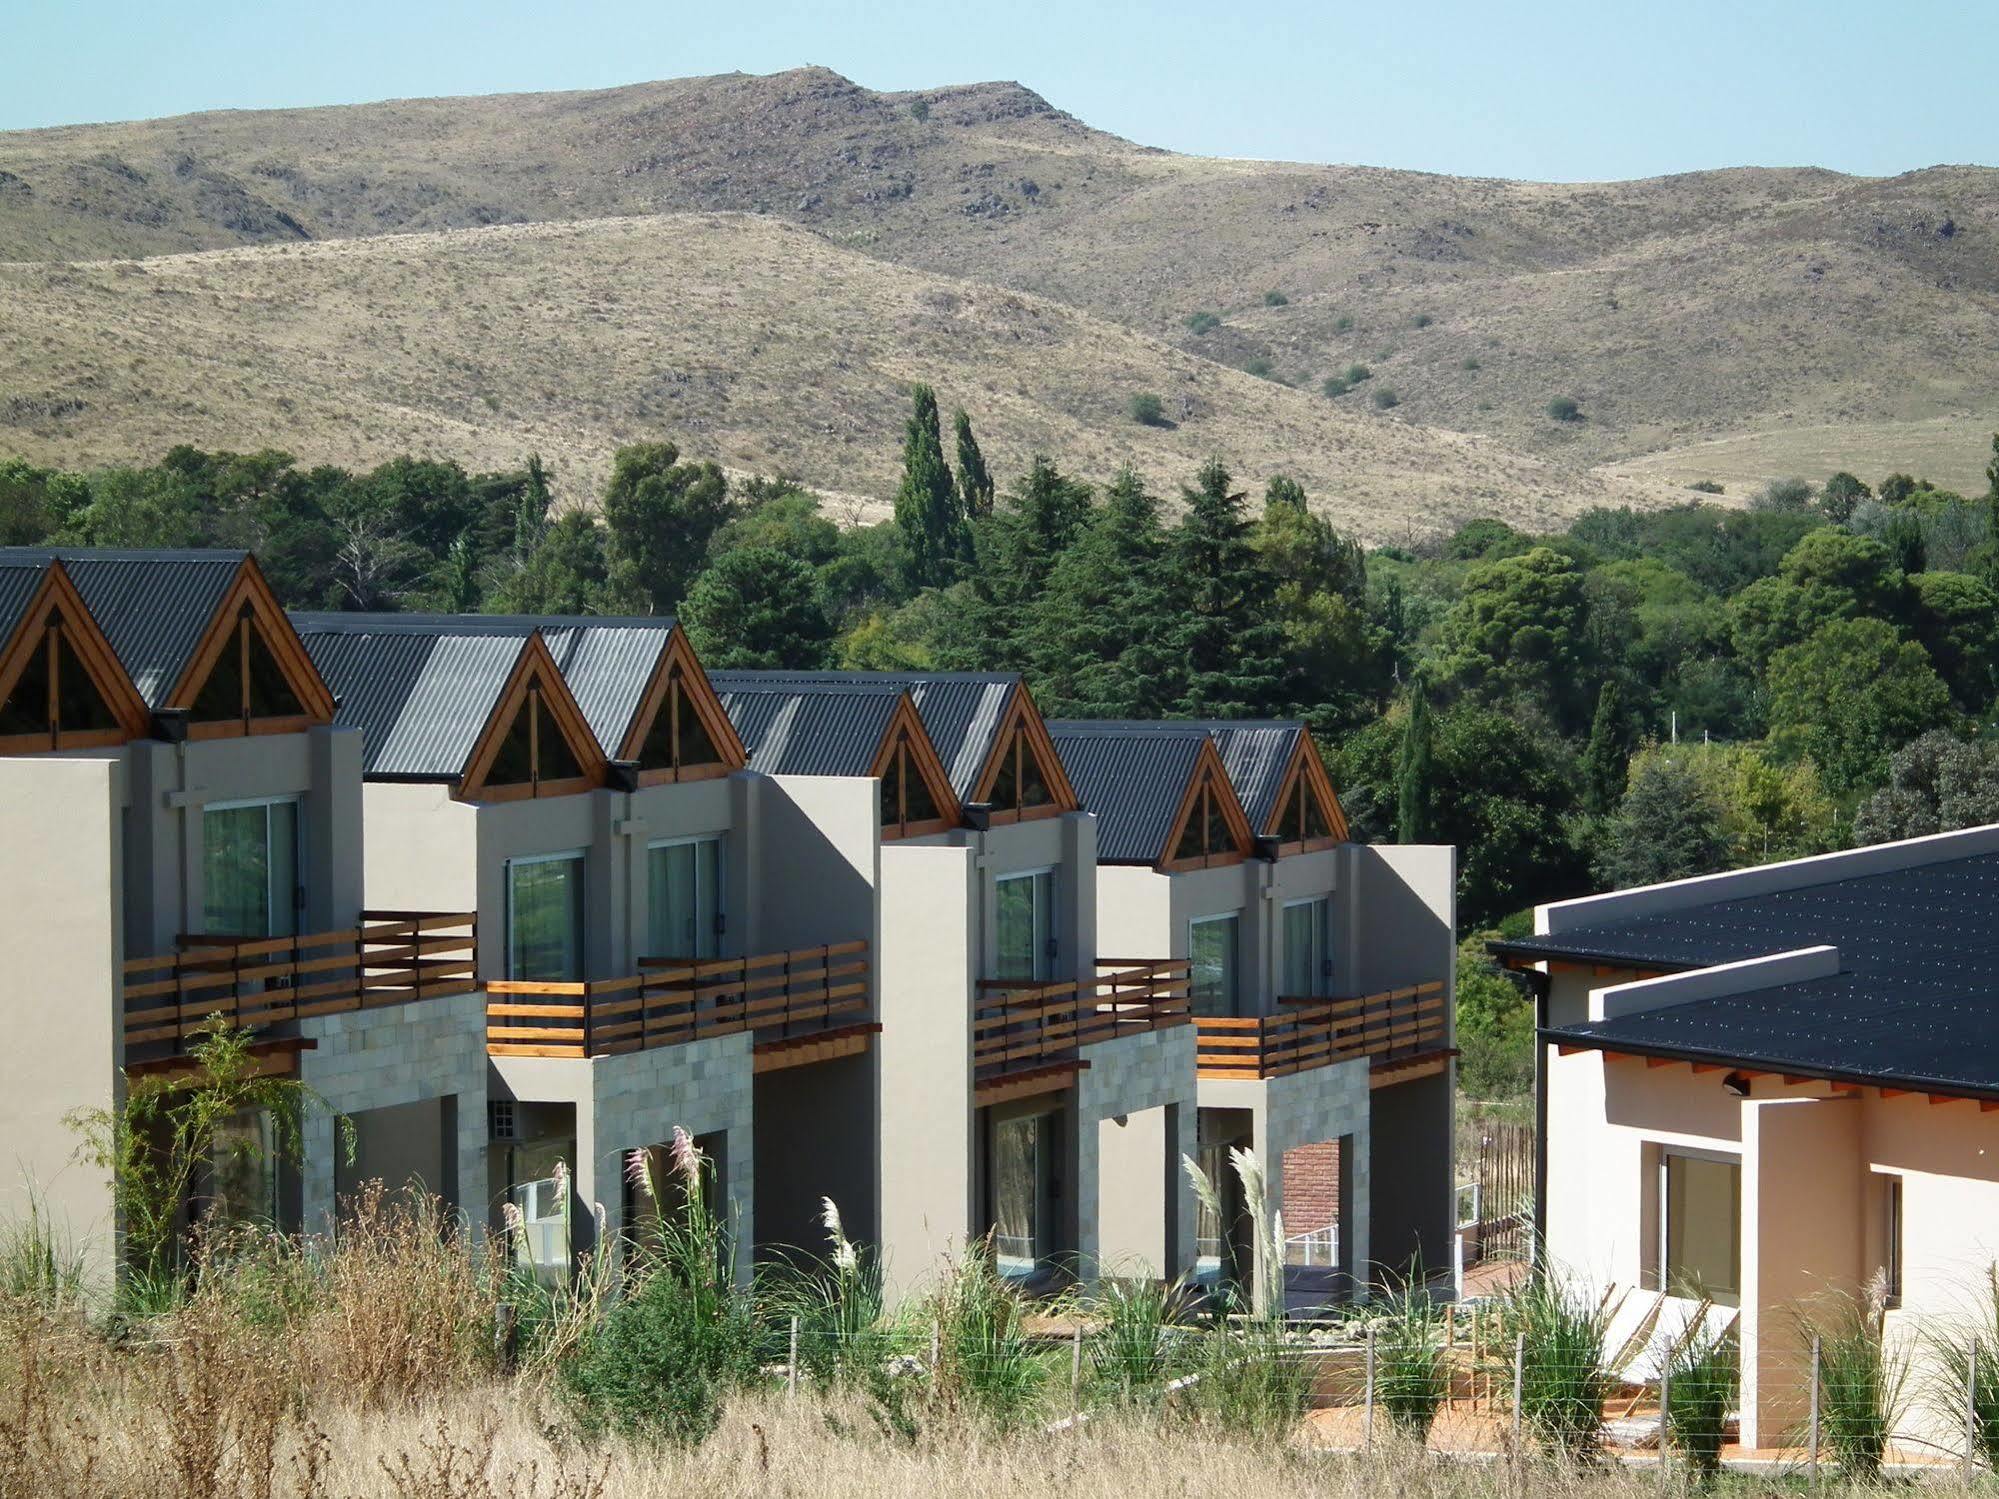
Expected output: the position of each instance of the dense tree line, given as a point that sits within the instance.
(1639, 697)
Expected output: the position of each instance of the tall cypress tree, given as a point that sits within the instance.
(936, 542)
(1229, 635)
(975, 481)
(1608, 754)
(1412, 768)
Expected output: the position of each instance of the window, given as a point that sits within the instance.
(1021, 1190)
(1211, 957)
(1027, 929)
(1304, 950)
(684, 882)
(907, 805)
(249, 869)
(1205, 836)
(54, 702)
(1702, 1251)
(1891, 1239)
(246, 683)
(1303, 819)
(676, 739)
(1021, 785)
(534, 751)
(545, 918)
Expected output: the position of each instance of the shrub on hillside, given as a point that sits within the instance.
(1275, 299)
(1565, 409)
(1202, 322)
(1385, 397)
(1147, 409)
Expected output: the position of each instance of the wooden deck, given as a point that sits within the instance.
(1036, 1033)
(1395, 1028)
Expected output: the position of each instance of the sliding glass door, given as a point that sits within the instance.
(249, 869)
(684, 899)
(545, 918)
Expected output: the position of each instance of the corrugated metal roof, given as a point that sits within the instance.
(1916, 999)
(1133, 776)
(448, 705)
(961, 711)
(373, 676)
(1256, 755)
(606, 662)
(807, 731)
(153, 607)
(18, 582)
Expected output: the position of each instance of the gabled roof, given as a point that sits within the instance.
(1133, 776)
(963, 712)
(1257, 754)
(807, 727)
(19, 578)
(1915, 1001)
(155, 608)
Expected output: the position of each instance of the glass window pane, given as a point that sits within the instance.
(1046, 929)
(695, 747)
(221, 696)
(248, 869)
(283, 834)
(708, 897)
(271, 694)
(1020, 1168)
(1316, 825)
(26, 710)
(685, 900)
(545, 920)
(1211, 953)
(556, 762)
(1703, 1228)
(1015, 936)
(78, 702)
(513, 762)
(1304, 949)
(1192, 835)
(1033, 784)
(1216, 839)
(920, 804)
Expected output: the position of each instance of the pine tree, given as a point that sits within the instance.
(531, 514)
(1608, 752)
(936, 542)
(1229, 636)
(1097, 640)
(1412, 768)
(975, 481)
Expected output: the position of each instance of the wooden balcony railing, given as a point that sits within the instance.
(780, 996)
(390, 958)
(1387, 1027)
(1020, 1027)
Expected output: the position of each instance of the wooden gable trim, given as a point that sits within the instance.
(1208, 781)
(534, 666)
(250, 592)
(678, 654)
(906, 732)
(56, 595)
(1306, 762)
(1023, 721)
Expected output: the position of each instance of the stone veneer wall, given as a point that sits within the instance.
(1128, 1075)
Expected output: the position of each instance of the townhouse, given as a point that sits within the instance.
(1763, 1086)
(1029, 1090)
(1321, 980)
(664, 939)
(183, 830)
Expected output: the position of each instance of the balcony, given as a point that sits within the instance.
(806, 1005)
(1026, 1031)
(1392, 1028)
(392, 957)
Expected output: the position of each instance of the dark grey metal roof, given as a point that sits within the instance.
(419, 687)
(606, 662)
(1256, 755)
(153, 607)
(1916, 1000)
(18, 582)
(961, 711)
(1133, 776)
(807, 730)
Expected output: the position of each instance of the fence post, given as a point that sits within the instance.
(1367, 1420)
(1970, 1411)
(1813, 1439)
(1519, 1370)
(791, 1369)
(1076, 1369)
(1665, 1407)
(506, 1336)
(936, 1346)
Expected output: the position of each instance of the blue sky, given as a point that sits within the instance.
(1619, 88)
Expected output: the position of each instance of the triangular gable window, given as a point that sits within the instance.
(677, 740)
(246, 683)
(1303, 818)
(55, 698)
(1022, 782)
(1205, 833)
(908, 807)
(533, 752)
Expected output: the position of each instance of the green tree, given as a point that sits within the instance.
(786, 520)
(1957, 621)
(1841, 496)
(1229, 635)
(975, 481)
(1937, 783)
(1667, 827)
(936, 538)
(1034, 525)
(1608, 751)
(531, 512)
(758, 610)
(1519, 632)
(659, 516)
(1829, 575)
(1147, 409)
(1849, 696)
(1097, 642)
(1412, 768)
(569, 572)
(1495, 1026)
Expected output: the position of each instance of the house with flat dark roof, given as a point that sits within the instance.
(1761, 1086)
(1320, 976)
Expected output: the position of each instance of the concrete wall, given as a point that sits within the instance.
(422, 854)
(1413, 1182)
(1400, 918)
(816, 1138)
(1134, 1206)
(62, 920)
(387, 1058)
(928, 959)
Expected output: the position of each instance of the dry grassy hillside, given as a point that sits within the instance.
(749, 341)
(1703, 321)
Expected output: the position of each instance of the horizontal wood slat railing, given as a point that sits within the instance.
(780, 996)
(1020, 1027)
(392, 957)
(1387, 1027)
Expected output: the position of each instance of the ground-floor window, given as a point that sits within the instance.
(1021, 1190)
(1701, 1246)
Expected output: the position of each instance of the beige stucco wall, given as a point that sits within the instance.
(1133, 1190)
(61, 918)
